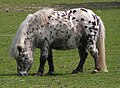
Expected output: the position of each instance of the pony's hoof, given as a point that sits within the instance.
(38, 74)
(51, 73)
(94, 71)
(34, 74)
(74, 71)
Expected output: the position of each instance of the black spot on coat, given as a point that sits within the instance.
(94, 23)
(74, 11)
(89, 21)
(73, 18)
(96, 29)
(49, 17)
(85, 26)
(42, 25)
(91, 41)
(70, 12)
(82, 19)
(93, 16)
(84, 10)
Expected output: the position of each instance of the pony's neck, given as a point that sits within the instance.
(29, 42)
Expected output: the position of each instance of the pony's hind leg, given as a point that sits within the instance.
(83, 55)
(50, 63)
(94, 53)
(96, 61)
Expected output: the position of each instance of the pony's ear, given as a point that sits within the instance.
(19, 47)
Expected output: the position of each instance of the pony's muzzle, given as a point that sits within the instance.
(22, 73)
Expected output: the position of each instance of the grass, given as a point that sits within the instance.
(46, 2)
(64, 61)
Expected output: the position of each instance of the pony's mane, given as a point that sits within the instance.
(20, 35)
(19, 38)
(43, 15)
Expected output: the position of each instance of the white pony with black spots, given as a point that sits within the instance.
(61, 30)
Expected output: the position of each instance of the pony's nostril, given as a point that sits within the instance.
(25, 74)
(20, 74)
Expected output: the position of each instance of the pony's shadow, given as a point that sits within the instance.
(31, 74)
(59, 74)
(55, 74)
(8, 74)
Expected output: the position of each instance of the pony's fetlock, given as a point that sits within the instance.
(81, 70)
(38, 74)
(51, 73)
(95, 71)
(74, 71)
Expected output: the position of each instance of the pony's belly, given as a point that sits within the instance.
(61, 44)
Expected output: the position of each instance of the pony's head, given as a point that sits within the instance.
(19, 48)
(24, 61)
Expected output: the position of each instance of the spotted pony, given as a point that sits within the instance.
(48, 29)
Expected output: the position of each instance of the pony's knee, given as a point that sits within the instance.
(85, 54)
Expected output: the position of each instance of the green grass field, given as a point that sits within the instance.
(19, 2)
(64, 61)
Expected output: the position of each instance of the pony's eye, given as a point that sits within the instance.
(26, 56)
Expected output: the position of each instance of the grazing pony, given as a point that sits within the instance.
(61, 30)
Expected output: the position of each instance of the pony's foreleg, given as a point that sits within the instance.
(83, 55)
(43, 57)
(50, 62)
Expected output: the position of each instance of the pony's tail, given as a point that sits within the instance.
(101, 47)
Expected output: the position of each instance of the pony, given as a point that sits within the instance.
(49, 29)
